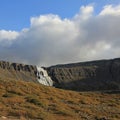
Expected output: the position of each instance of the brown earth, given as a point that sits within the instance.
(31, 101)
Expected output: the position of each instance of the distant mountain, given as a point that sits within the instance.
(87, 76)
(83, 76)
(24, 72)
(17, 71)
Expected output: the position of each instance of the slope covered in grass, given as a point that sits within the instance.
(19, 99)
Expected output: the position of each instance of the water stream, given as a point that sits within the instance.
(43, 78)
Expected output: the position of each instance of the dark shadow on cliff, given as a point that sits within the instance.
(90, 85)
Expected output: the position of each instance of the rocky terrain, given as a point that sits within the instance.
(84, 76)
(22, 97)
(87, 76)
(17, 71)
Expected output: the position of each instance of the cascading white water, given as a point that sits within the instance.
(43, 78)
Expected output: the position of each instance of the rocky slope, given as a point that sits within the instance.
(24, 72)
(17, 71)
(85, 76)
(94, 75)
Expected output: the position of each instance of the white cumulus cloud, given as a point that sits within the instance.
(6, 37)
(110, 10)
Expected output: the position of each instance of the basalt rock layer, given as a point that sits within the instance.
(84, 76)
(17, 71)
(87, 76)
(30, 73)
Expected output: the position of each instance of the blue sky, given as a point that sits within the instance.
(16, 14)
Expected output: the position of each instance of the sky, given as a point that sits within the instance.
(16, 14)
(52, 32)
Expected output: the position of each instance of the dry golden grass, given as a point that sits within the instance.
(27, 100)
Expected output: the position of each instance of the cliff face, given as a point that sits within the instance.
(95, 75)
(86, 76)
(10, 71)
(17, 71)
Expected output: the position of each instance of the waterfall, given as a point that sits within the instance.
(43, 78)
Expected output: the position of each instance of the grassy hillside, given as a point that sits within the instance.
(27, 100)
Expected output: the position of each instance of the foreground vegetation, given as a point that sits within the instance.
(27, 100)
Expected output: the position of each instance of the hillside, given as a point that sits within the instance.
(17, 71)
(23, 97)
(27, 100)
(87, 76)
(84, 76)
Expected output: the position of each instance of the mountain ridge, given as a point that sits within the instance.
(87, 76)
(82, 76)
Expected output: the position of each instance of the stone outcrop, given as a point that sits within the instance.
(87, 76)
(17, 71)
(28, 73)
(84, 76)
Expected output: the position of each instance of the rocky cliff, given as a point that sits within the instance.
(24, 72)
(17, 71)
(87, 76)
